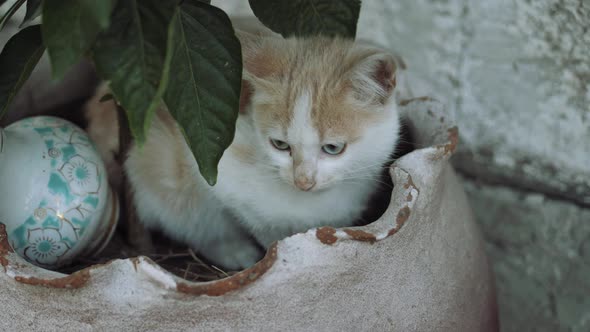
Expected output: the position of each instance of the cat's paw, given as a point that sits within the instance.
(233, 255)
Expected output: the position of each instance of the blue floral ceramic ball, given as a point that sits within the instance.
(54, 196)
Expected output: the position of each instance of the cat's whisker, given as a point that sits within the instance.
(377, 178)
(260, 162)
(362, 177)
(367, 170)
(376, 166)
(362, 180)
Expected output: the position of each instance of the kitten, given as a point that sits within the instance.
(318, 121)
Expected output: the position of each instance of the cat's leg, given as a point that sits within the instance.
(226, 243)
(138, 235)
(105, 131)
(236, 251)
(268, 236)
(198, 220)
(204, 225)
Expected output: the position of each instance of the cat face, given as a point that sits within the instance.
(322, 112)
(317, 148)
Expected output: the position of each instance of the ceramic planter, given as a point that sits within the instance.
(55, 200)
(420, 267)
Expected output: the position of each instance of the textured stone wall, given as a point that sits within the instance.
(540, 248)
(516, 75)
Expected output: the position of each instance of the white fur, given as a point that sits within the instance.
(259, 201)
(261, 198)
(304, 140)
(186, 210)
(269, 204)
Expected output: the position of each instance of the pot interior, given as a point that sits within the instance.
(423, 126)
(187, 264)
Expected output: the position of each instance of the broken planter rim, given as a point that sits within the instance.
(436, 140)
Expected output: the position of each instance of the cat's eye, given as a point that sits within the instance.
(279, 145)
(334, 149)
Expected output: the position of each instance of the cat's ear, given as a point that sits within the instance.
(259, 55)
(260, 63)
(245, 95)
(252, 84)
(374, 76)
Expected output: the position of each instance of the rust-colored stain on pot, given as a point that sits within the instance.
(326, 235)
(402, 216)
(241, 279)
(392, 231)
(75, 280)
(451, 145)
(410, 184)
(453, 139)
(359, 235)
(404, 213)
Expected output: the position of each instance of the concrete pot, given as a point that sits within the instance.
(420, 267)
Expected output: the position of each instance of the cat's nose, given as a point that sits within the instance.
(304, 183)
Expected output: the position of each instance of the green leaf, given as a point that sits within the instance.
(70, 28)
(131, 53)
(6, 17)
(33, 11)
(309, 17)
(17, 60)
(204, 91)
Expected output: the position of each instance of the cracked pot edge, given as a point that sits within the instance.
(402, 201)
